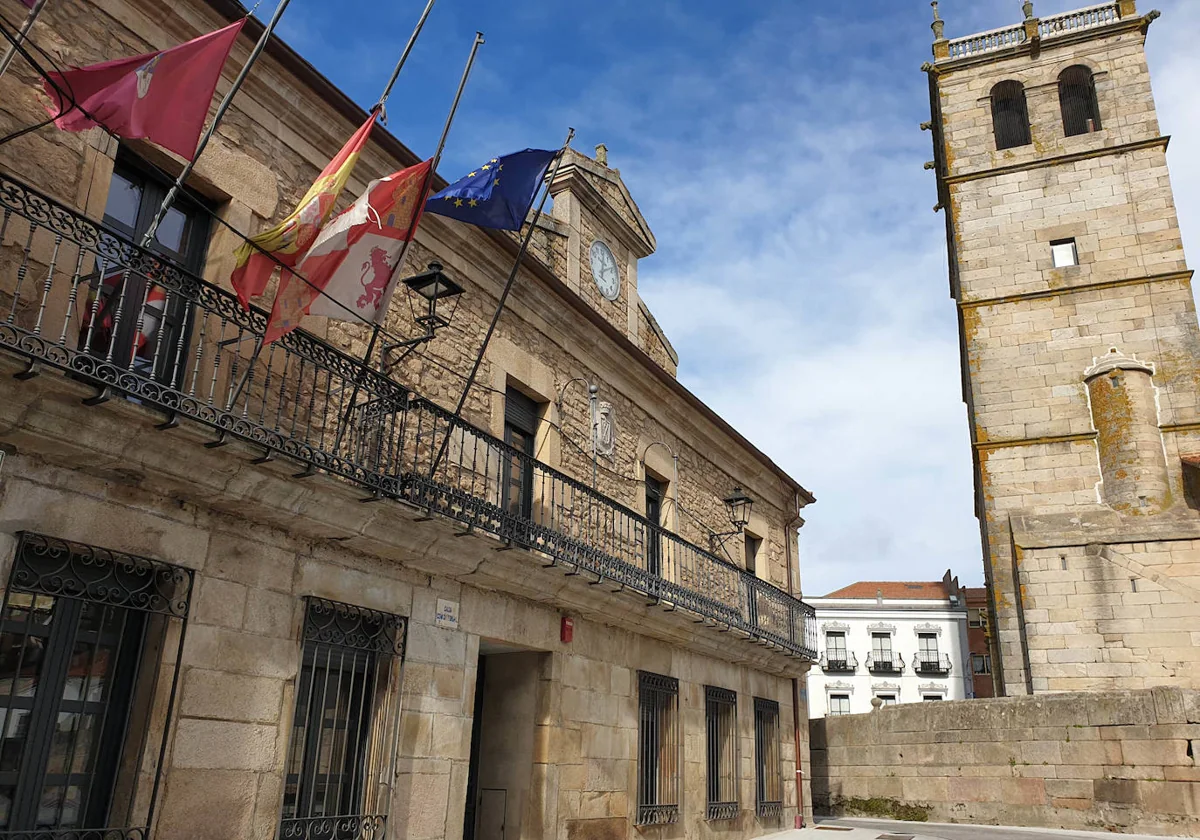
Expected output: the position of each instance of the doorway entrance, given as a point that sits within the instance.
(502, 733)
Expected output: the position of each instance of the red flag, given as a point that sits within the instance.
(355, 256)
(161, 96)
(289, 240)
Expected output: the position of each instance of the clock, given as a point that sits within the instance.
(604, 270)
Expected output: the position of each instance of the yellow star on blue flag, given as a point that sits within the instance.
(497, 194)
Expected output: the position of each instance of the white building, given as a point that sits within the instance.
(900, 641)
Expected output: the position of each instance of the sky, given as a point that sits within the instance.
(774, 148)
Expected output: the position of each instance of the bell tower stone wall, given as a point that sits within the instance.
(1080, 350)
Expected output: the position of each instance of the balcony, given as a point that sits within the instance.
(1054, 26)
(70, 290)
(892, 665)
(939, 665)
(843, 663)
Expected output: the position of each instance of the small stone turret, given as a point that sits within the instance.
(1125, 414)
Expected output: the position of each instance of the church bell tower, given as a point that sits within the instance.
(1079, 345)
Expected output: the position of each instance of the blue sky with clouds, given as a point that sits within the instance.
(774, 148)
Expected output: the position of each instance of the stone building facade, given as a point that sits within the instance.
(263, 605)
(892, 641)
(1079, 348)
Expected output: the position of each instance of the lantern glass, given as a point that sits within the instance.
(738, 504)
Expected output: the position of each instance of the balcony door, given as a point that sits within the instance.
(654, 501)
(520, 431)
(127, 318)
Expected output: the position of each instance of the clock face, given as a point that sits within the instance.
(604, 270)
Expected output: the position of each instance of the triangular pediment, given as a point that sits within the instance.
(602, 192)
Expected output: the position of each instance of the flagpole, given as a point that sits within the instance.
(412, 39)
(512, 277)
(173, 193)
(11, 52)
(437, 156)
(379, 108)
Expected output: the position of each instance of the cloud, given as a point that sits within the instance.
(801, 274)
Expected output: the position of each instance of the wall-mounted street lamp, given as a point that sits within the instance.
(738, 505)
(434, 286)
(674, 479)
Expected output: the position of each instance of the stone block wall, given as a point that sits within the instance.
(1111, 761)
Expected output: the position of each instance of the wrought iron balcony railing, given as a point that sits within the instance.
(75, 297)
(932, 664)
(880, 665)
(842, 662)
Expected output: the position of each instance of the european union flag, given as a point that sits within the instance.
(496, 195)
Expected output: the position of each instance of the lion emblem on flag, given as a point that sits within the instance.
(380, 271)
(145, 75)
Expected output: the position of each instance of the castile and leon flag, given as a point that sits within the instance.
(292, 238)
(161, 96)
(349, 273)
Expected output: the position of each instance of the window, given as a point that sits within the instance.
(659, 745)
(974, 617)
(1077, 98)
(835, 646)
(768, 767)
(753, 544)
(981, 663)
(931, 697)
(1010, 116)
(888, 699)
(655, 492)
(520, 430)
(1064, 253)
(928, 646)
(720, 719)
(347, 708)
(79, 685)
(839, 704)
(121, 312)
(881, 648)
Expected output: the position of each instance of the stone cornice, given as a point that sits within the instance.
(1086, 287)
(576, 176)
(1058, 160)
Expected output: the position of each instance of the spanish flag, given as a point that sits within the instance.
(291, 239)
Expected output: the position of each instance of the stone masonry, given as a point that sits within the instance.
(1081, 381)
(1117, 761)
(260, 539)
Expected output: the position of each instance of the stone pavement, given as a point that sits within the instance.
(863, 829)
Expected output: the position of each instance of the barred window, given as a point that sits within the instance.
(342, 747)
(1010, 115)
(720, 718)
(659, 746)
(768, 764)
(90, 641)
(1077, 98)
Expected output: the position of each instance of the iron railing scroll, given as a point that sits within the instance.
(76, 297)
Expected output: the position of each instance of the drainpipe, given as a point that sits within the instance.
(788, 527)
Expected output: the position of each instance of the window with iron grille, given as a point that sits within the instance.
(1077, 98)
(659, 749)
(1010, 115)
(768, 765)
(85, 637)
(720, 719)
(343, 732)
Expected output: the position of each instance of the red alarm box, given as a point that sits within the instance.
(567, 630)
